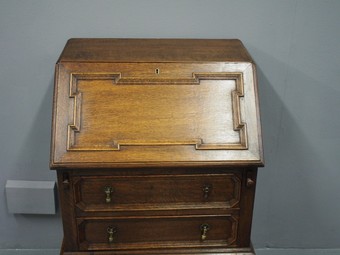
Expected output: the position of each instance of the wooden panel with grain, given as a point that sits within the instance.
(187, 115)
(158, 192)
(157, 232)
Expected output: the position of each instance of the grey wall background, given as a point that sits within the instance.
(296, 44)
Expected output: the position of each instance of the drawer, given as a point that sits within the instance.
(157, 232)
(157, 192)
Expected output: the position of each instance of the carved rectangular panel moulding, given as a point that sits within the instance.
(109, 112)
(223, 191)
(129, 113)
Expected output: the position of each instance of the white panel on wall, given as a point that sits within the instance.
(31, 197)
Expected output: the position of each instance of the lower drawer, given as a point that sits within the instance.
(157, 232)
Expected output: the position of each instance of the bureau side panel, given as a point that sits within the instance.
(67, 206)
(247, 205)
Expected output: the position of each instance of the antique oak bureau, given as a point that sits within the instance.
(156, 143)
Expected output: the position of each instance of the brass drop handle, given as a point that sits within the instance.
(111, 231)
(108, 191)
(206, 190)
(204, 231)
(250, 183)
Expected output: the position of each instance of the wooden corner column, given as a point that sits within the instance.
(156, 144)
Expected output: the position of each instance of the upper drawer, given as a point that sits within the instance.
(159, 114)
(160, 192)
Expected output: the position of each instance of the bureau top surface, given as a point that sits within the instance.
(154, 50)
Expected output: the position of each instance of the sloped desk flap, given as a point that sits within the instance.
(128, 114)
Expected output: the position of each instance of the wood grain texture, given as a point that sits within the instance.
(158, 192)
(187, 114)
(159, 232)
(156, 144)
(154, 50)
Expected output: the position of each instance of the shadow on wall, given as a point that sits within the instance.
(30, 230)
(35, 151)
(291, 200)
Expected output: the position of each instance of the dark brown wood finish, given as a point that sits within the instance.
(154, 50)
(156, 143)
(160, 191)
